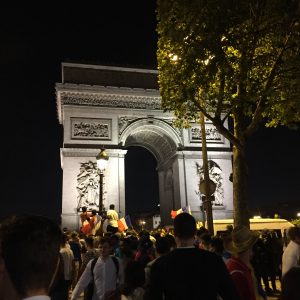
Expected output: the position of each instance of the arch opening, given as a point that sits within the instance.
(141, 182)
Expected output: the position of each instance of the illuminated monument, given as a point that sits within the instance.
(114, 108)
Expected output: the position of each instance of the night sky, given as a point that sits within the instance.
(34, 43)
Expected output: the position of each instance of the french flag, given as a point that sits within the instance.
(185, 209)
(122, 224)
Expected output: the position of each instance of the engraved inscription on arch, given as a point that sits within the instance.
(92, 129)
(212, 134)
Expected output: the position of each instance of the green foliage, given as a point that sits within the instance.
(296, 222)
(240, 57)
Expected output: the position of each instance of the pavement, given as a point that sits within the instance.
(273, 297)
(276, 295)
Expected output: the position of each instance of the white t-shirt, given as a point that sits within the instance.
(114, 217)
(290, 256)
(105, 278)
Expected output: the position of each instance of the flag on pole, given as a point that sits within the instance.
(174, 213)
(122, 224)
(128, 221)
(187, 209)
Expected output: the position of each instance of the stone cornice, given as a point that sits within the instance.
(106, 97)
(77, 152)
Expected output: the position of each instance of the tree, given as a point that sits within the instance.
(231, 58)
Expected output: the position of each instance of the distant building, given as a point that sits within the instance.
(156, 221)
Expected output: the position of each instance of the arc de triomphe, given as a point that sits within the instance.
(115, 108)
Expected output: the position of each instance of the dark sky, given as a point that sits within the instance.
(34, 42)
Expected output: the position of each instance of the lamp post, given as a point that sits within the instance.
(209, 186)
(102, 159)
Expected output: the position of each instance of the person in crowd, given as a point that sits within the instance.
(145, 252)
(162, 247)
(85, 221)
(30, 254)
(259, 261)
(7, 290)
(290, 285)
(199, 232)
(134, 281)
(113, 219)
(104, 224)
(127, 250)
(68, 262)
(239, 267)
(90, 254)
(177, 275)
(75, 246)
(171, 240)
(106, 274)
(84, 215)
(63, 281)
(216, 245)
(93, 222)
(269, 243)
(204, 241)
(291, 254)
(229, 229)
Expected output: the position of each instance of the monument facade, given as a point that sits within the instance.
(115, 108)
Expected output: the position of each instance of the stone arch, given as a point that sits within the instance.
(163, 141)
(120, 107)
(155, 135)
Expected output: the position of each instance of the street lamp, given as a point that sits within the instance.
(102, 159)
(143, 222)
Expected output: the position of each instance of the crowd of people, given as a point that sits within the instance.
(39, 261)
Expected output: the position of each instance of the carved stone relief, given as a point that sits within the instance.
(170, 122)
(124, 122)
(88, 186)
(215, 174)
(111, 100)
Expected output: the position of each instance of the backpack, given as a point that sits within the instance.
(89, 291)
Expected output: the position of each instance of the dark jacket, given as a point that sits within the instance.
(190, 273)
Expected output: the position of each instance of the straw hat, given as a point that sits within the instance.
(241, 239)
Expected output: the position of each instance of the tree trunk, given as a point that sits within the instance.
(240, 174)
(240, 190)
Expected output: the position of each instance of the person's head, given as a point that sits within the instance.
(89, 241)
(204, 240)
(216, 245)
(84, 208)
(229, 228)
(145, 244)
(94, 212)
(171, 240)
(162, 245)
(64, 240)
(294, 234)
(184, 226)
(290, 285)
(30, 250)
(241, 241)
(112, 206)
(105, 247)
(75, 236)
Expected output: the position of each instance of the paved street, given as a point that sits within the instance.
(275, 297)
